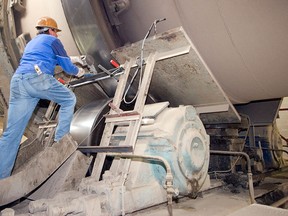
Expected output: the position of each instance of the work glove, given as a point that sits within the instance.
(78, 60)
(83, 60)
(80, 73)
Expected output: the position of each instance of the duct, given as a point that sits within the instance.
(87, 122)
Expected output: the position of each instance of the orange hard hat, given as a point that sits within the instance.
(47, 22)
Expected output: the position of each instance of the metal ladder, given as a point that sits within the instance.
(117, 117)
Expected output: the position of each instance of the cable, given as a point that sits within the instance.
(129, 86)
(140, 64)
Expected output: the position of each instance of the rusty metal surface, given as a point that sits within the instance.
(36, 171)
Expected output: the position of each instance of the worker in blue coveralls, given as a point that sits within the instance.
(32, 81)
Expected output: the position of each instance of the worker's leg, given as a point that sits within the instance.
(67, 100)
(51, 89)
(21, 107)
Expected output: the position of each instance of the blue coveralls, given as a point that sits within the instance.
(26, 89)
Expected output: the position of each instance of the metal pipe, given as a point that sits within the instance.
(249, 173)
(169, 176)
(126, 170)
(271, 149)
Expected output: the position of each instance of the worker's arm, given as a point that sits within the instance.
(63, 59)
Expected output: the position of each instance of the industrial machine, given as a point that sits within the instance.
(189, 98)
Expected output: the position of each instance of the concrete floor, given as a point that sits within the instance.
(219, 202)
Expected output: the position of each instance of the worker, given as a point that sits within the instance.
(33, 80)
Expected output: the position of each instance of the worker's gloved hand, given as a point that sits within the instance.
(80, 73)
(78, 60)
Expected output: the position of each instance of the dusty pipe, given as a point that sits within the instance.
(271, 149)
(169, 176)
(249, 173)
